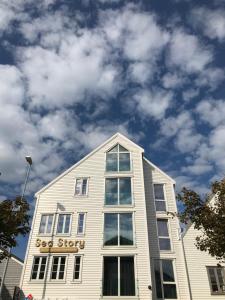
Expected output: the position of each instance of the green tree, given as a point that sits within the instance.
(14, 221)
(207, 214)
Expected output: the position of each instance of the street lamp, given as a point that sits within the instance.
(29, 161)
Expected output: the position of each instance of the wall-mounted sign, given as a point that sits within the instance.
(63, 246)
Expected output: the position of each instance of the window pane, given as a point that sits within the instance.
(125, 190)
(80, 229)
(111, 229)
(84, 187)
(160, 205)
(164, 244)
(43, 223)
(110, 284)
(167, 266)
(159, 192)
(126, 229)
(60, 224)
(78, 186)
(111, 162)
(158, 279)
(213, 280)
(49, 226)
(127, 281)
(170, 291)
(162, 227)
(114, 149)
(67, 224)
(221, 278)
(122, 149)
(111, 191)
(124, 163)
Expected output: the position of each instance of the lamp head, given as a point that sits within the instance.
(29, 160)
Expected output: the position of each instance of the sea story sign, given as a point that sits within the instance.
(62, 246)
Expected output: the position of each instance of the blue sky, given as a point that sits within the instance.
(72, 73)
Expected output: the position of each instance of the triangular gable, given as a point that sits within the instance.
(86, 157)
(157, 168)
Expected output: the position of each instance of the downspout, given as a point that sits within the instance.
(186, 267)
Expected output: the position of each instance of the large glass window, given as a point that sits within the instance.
(118, 159)
(165, 284)
(58, 267)
(118, 229)
(217, 280)
(118, 276)
(163, 234)
(118, 191)
(81, 187)
(46, 224)
(160, 203)
(64, 224)
(39, 268)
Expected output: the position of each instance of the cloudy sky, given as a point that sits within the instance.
(72, 73)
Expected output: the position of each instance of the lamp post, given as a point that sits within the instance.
(29, 161)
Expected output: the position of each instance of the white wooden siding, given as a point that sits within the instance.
(62, 191)
(197, 261)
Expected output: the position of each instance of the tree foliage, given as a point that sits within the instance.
(14, 221)
(207, 215)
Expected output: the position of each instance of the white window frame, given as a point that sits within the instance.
(80, 193)
(80, 270)
(164, 237)
(118, 152)
(220, 292)
(161, 277)
(58, 267)
(39, 267)
(118, 261)
(165, 198)
(84, 223)
(118, 191)
(118, 229)
(64, 222)
(46, 225)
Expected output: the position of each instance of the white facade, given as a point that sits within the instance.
(117, 236)
(207, 280)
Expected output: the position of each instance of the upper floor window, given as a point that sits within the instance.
(58, 267)
(118, 191)
(163, 234)
(164, 279)
(118, 159)
(81, 223)
(118, 230)
(81, 186)
(46, 224)
(217, 280)
(39, 268)
(160, 203)
(64, 221)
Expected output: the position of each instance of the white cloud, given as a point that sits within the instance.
(152, 103)
(211, 22)
(188, 53)
(211, 77)
(190, 94)
(212, 111)
(171, 80)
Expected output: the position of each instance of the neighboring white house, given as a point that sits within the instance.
(104, 229)
(206, 275)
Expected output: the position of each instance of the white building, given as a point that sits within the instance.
(103, 230)
(206, 275)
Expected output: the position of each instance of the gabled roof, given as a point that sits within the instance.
(86, 157)
(157, 168)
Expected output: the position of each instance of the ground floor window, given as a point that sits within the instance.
(217, 279)
(58, 267)
(77, 268)
(164, 279)
(118, 276)
(39, 268)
